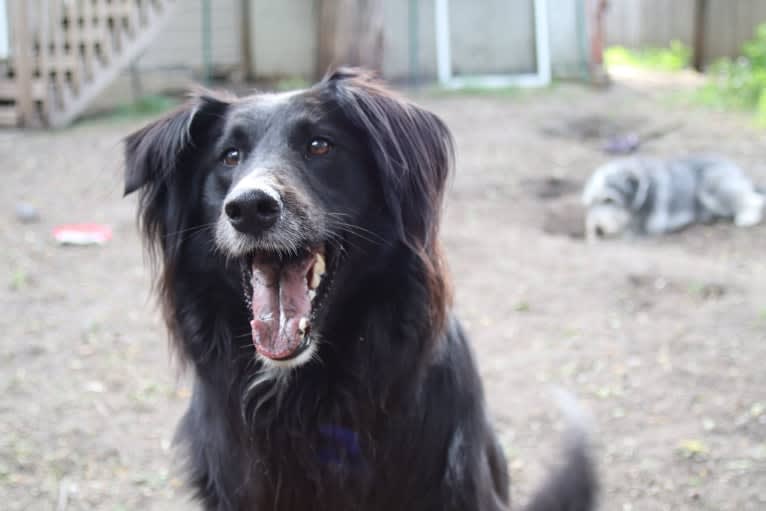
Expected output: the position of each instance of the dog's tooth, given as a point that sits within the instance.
(319, 265)
(316, 278)
(302, 324)
(312, 294)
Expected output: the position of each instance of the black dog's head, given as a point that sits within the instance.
(308, 191)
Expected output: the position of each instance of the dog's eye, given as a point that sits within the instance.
(319, 147)
(232, 157)
(609, 200)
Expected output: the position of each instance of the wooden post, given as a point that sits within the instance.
(56, 55)
(350, 34)
(136, 87)
(22, 61)
(87, 39)
(43, 62)
(73, 38)
(207, 40)
(326, 28)
(245, 40)
(103, 34)
(413, 46)
(700, 26)
(598, 72)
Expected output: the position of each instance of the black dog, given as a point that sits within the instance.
(300, 273)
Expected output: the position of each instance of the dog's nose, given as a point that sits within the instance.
(253, 211)
(599, 232)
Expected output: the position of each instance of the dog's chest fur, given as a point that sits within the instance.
(328, 446)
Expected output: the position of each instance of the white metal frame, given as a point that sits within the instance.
(540, 78)
(5, 35)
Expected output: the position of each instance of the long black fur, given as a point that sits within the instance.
(395, 368)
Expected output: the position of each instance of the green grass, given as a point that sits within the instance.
(676, 57)
(735, 85)
(146, 106)
(475, 90)
(522, 306)
(292, 83)
(739, 84)
(510, 92)
(151, 105)
(19, 279)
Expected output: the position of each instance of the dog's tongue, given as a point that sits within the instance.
(280, 301)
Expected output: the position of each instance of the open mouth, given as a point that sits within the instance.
(286, 293)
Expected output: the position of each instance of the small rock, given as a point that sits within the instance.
(95, 386)
(26, 213)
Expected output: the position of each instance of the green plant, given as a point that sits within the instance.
(676, 56)
(755, 50)
(740, 83)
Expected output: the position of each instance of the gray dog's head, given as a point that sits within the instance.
(612, 196)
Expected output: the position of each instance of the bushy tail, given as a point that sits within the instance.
(573, 485)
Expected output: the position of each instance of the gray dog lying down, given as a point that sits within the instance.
(635, 196)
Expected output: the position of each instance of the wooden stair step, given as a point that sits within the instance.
(8, 116)
(8, 90)
(75, 49)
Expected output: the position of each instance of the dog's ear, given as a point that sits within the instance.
(412, 147)
(414, 152)
(639, 190)
(153, 152)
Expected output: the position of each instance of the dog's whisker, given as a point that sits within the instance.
(357, 227)
(194, 229)
(360, 232)
(348, 224)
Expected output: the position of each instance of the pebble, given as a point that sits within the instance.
(26, 213)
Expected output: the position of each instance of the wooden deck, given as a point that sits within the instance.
(65, 52)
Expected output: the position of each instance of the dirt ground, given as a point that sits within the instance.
(663, 340)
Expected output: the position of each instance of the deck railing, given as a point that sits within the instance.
(63, 53)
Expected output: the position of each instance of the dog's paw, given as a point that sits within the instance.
(747, 220)
(752, 213)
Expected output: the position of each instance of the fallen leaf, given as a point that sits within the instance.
(692, 447)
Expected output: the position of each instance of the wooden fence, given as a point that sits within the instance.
(642, 23)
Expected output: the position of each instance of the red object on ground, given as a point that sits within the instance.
(82, 234)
